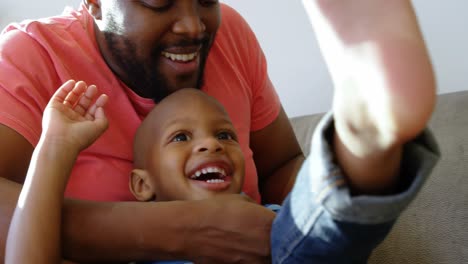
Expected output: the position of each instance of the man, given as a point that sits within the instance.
(139, 51)
(151, 48)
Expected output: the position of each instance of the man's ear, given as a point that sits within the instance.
(140, 185)
(94, 8)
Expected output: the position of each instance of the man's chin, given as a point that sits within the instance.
(176, 86)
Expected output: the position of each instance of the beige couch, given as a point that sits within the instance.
(434, 228)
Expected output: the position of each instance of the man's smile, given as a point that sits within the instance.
(182, 61)
(180, 57)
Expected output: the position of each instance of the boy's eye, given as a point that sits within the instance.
(225, 136)
(180, 137)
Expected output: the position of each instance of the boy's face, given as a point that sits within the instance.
(194, 153)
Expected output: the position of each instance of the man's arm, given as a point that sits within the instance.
(278, 158)
(98, 231)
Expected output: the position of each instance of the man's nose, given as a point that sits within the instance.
(209, 145)
(189, 23)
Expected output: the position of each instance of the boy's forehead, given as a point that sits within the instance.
(185, 103)
(190, 99)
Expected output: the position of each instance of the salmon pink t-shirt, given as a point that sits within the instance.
(37, 57)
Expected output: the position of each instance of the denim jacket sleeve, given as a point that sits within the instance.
(320, 222)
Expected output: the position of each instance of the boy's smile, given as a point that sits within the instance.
(213, 175)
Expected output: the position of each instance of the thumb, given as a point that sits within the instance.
(100, 118)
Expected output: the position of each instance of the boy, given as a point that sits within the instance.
(189, 135)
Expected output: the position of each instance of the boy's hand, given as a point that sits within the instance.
(384, 83)
(75, 115)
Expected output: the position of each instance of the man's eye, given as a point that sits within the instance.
(157, 5)
(180, 137)
(208, 2)
(225, 136)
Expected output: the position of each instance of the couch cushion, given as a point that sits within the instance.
(434, 229)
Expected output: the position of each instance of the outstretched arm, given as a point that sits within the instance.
(384, 95)
(72, 121)
(384, 84)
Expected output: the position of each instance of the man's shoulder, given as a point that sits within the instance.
(232, 21)
(229, 13)
(44, 28)
(235, 37)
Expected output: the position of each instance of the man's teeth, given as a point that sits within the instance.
(207, 170)
(180, 57)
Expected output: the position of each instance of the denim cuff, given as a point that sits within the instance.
(329, 187)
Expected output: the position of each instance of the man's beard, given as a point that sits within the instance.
(142, 75)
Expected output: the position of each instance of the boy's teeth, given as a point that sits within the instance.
(215, 181)
(180, 57)
(209, 170)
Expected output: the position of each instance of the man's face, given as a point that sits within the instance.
(195, 153)
(157, 46)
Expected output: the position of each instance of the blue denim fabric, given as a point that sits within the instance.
(305, 232)
(168, 262)
(321, 222)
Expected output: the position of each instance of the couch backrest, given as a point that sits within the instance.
(434, 228)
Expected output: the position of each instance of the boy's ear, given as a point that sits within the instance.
(140, 185)
(94, 8)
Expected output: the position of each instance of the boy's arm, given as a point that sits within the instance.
(371, 155)
(34, 234)
(384, 95)
(384, 85)
(72, 120)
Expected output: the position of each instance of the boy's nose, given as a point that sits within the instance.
(210, 145)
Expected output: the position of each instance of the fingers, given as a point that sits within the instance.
(63, 91)
(75, 94)
(84, 100)
(96, 111)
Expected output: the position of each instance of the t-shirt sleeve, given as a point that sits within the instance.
(266, 104)
(265, 101)
(26, 83)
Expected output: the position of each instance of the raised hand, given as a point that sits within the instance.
(75, 115)
(383, 78)
(73, 119)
